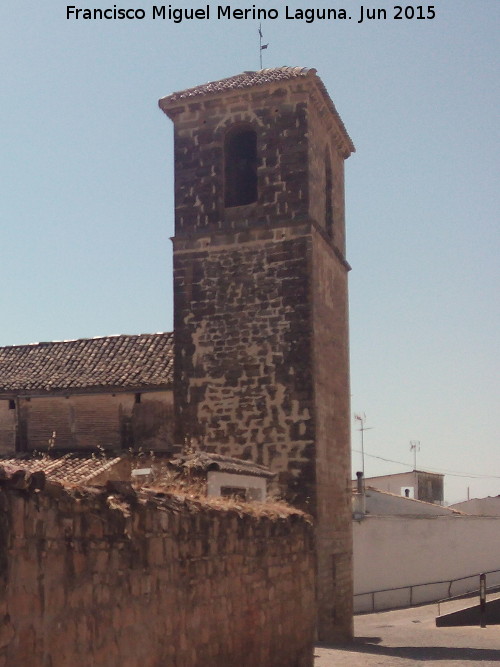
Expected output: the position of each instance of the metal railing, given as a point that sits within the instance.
(481, 590)
(411, 588)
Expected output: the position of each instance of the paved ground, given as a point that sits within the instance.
(410, 637)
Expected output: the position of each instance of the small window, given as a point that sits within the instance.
(233, 492)
(137, 399)
(12, 404)
(328, 196)
(240, 154)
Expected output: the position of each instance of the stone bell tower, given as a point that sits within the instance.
(260, 297)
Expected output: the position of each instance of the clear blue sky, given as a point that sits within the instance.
(86, 209)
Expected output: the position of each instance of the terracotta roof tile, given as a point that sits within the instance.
(72, 468)
(203, 462)
(243, 80)
(110, 361)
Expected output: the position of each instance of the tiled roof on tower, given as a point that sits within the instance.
(252, 79)
(244, 80)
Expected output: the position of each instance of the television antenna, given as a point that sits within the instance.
(361, 418)
(414, 447)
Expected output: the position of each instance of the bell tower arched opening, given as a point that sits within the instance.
(240, 167)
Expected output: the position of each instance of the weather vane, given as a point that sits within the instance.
(261, 46)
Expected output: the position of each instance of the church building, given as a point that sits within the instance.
(258, 365)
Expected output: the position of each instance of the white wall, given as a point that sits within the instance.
(402, 551)
(255, 487)
(393, 483)
(378, 502)
(489, 506)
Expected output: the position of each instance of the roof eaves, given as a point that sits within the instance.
(172, 104)
(102, 363)
(245, 80)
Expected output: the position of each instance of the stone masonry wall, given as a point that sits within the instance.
(279, 117)
(82, 421)
(330, 335)
(8, 423)
(243, 382)
(94, 577)
(320, 142)
(333, 468)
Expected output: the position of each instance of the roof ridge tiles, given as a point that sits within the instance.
(43, 343)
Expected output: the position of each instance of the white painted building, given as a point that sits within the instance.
(408, 551)
(489, 506)
(226, 476)
(419, 484)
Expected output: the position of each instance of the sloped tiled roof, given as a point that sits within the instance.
(203, 462)
(137, 361)
(72, 468)
(243, 80)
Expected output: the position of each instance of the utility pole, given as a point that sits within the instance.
(361, 418)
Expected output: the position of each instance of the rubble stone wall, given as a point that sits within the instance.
(278, 115)
(112, 421)
(243, 358)
(94, 577)
(333, 468)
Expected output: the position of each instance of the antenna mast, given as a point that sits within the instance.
(361, 418)
(414, 447)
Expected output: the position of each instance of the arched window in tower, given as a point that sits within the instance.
(240, 153)
(328, 195)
